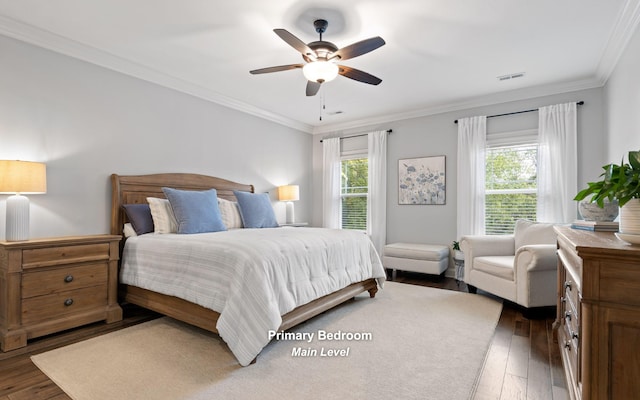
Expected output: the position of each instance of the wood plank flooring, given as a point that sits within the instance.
(523, 361)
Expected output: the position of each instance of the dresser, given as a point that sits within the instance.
(598, 320)
(49, 285)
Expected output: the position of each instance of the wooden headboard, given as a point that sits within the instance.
(134, 189)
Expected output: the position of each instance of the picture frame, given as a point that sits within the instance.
(422, 181)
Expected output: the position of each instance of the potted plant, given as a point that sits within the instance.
(457, 253)
(621, 183)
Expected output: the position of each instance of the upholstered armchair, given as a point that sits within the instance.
(521, 267)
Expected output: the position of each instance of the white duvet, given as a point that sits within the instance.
(250, 276)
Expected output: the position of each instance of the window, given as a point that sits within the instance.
(510, 186)
(354, 189)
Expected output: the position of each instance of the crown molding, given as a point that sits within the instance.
(619, 38)
(59, 44)
(470, 103)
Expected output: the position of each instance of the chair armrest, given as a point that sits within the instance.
(537, 257)
(487, 245)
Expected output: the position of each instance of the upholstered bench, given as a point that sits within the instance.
(416, 257)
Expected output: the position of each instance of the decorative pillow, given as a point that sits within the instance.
(163, 219)
(128, 230)
(195, 211)
(256, 210)
(139, 215)
(230, 213)
(529, 232)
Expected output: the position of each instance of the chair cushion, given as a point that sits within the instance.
(500, 266)
(528, 232)
(417, 251)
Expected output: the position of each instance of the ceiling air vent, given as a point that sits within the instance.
(510, 76)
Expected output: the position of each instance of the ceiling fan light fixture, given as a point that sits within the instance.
(320, 71)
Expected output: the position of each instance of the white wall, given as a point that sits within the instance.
(87, 122)
(622, 99)
(437, 135)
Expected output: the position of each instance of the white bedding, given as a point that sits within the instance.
(250, 276)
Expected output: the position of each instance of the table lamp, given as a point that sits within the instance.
(19, 178)
(289, 193)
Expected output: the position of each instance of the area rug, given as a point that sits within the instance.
(409, 342)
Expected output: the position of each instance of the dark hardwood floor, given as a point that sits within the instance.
(523, 361)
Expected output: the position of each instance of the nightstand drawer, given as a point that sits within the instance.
(58, 255)
(63, 279)
(53, 306)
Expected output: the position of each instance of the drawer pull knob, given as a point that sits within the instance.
(574, 335)
(68, 278)
(567, 315)
(68, 302)
(567, 285)
(567, 344)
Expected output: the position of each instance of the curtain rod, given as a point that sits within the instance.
(356, 135)
(517, 112)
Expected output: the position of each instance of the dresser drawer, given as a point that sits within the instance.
(58, 255)
(63, 279)
(570, 350)
(57, 305)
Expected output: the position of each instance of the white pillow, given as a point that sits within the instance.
(128, 230)
(163, 219)
(230, 213)
(528, 232)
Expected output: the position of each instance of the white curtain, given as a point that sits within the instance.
(331, 217)
(557, 163)
(472, 139)
(377, 198)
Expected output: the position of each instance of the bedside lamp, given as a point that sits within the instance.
(289, 193)
(18, 178)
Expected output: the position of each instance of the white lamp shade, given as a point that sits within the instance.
(24, 177)
(289, 193)
(320, 71)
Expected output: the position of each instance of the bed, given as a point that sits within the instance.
(135, 190)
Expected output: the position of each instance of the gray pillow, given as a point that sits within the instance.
(195, 211)
(256, 210)
(139, 215)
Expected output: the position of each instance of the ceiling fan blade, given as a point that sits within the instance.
(358, 75)
(359, 48)
(275, 69)
(296, 43)
(312, 88)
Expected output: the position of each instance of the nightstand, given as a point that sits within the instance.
(49, 285)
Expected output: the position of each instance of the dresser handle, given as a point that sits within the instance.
(567, 285)
(567, 344)
(567, 315)
(574, 335)
(68, 302)
(68, 278)
(563, 299)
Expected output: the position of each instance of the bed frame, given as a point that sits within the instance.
(136, 188)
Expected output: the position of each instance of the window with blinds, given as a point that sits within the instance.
(510, 185)
(353, 193)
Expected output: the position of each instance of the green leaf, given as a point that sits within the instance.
(634, 159)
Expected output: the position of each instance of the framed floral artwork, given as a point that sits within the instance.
(421, 180)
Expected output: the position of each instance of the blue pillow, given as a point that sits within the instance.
(195, 211)
(139, 215)
(256, 210)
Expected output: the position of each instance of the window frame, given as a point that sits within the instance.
(354, 155)
(527, 137)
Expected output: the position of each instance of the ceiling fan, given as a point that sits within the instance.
(321, 57)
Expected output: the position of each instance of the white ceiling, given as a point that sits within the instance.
(440, 55)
